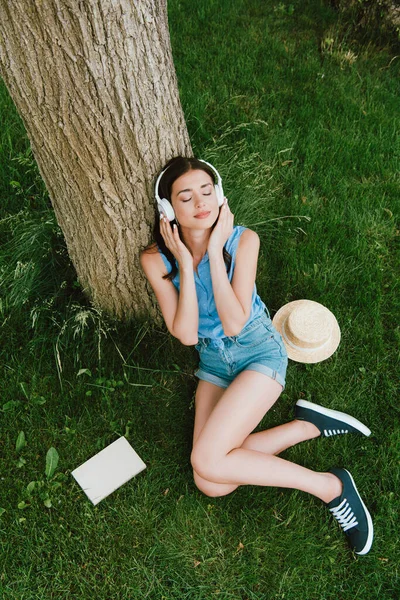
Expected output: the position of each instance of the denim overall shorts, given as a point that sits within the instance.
(258, 347)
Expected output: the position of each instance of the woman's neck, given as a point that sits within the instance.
(196, 240)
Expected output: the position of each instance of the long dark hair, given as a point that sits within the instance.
(173, 169)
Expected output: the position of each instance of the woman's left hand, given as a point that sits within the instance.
(222, 230)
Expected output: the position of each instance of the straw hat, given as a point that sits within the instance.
(309, 330)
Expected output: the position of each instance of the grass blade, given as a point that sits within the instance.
(21, 441)
(51, 462)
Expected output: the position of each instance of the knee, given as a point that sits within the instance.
(203, 464)
(208, 488)
(206, 472)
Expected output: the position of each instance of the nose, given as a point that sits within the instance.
(200, 200)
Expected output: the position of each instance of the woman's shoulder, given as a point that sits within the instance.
(247, 239)
(151, 249)
(150, 256)
(247, 234)
(242, 235)
(149, 253)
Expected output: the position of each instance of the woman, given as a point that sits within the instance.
(202, 270)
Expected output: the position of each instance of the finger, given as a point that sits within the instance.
(176, 236)
(165, 229)
(226, 205)
(225, 211)
(165, 223)
(171, 232)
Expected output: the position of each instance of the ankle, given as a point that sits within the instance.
(334, 487)
(309, 429)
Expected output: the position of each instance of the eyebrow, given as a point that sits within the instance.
(190, 189)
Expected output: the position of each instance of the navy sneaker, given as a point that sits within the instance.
(329, 422)
(352, 514)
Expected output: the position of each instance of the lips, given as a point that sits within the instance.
(203, 215)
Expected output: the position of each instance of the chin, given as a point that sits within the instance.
(204, 223)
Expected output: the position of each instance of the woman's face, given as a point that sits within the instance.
(194, 200)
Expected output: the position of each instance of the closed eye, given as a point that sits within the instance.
(204, 194)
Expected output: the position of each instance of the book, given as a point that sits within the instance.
(107, 470)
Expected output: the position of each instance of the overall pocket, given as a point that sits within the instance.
(252, 338)
(275, 338)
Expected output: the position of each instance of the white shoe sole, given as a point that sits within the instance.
(335, 414)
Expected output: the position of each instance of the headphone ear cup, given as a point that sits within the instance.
(220, 194)
(165, 207)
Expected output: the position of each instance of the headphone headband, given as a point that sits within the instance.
(214, 170)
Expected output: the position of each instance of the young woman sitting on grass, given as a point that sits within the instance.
(202, 269)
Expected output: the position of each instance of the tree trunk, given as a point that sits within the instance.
(95, 85)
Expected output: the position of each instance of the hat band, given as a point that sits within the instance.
(285, 337)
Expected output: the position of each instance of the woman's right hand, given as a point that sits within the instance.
(175, 244)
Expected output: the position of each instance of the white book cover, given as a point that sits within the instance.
(108, 470)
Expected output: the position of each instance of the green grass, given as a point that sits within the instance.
(305, 137)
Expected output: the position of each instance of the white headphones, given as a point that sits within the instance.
(165, 207)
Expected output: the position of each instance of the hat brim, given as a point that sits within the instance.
(305, 355)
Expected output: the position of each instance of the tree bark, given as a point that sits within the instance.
(95, 85)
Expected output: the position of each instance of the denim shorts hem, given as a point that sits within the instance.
(212, 378)
(224, 383)
(260, 368)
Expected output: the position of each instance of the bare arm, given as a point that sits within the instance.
(180, 310)
(186, 322)
(233, 300)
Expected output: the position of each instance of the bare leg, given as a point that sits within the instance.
(221, 457)
(207, 396)
(278, 439)
(270, 441)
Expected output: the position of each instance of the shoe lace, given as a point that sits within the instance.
(344, 514)
(329, 432)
